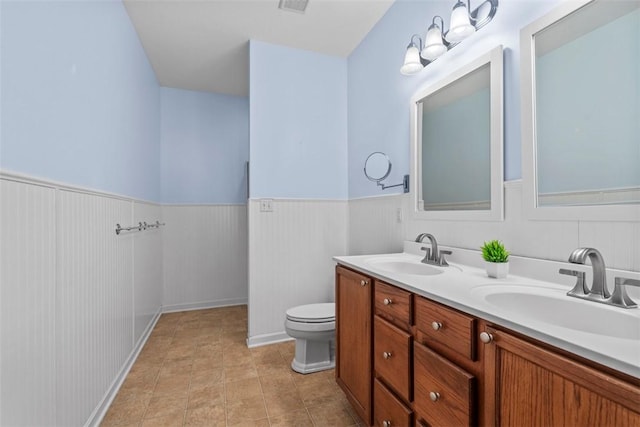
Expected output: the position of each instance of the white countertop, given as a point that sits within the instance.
(464, 289)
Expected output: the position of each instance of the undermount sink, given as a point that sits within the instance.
(554, 307)
(406, 267)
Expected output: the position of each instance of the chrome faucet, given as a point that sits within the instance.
(433, 255)
(599, 291)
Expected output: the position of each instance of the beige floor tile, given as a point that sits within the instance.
(125, 412)
(205, 377)
(245, 410)
(298, 418)
(241, 372)
(238, 390)
(177, 384)
(210, 395)
(196, 370)
(207, 364)
(165, 405)
(175, 420)
(206, 416)
(283, 403)
(252, 423)
(331, 415)
(318, 394)
(276, 384)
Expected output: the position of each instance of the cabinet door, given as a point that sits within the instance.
(533, 386)
(354, 339)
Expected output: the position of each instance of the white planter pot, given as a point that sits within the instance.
(498, 270)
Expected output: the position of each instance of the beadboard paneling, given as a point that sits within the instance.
(205, 256)
(290, 251)
(147, 267)
(27, 304)
(94, 303)
(374, 227)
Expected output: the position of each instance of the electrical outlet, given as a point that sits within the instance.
(266, 205)
(399, 215)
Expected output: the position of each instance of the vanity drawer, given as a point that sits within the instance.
(446, 327)
(388, 410)
(394, 304)
(444, 393)
(392, 356)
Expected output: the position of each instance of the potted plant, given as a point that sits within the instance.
(497, 259)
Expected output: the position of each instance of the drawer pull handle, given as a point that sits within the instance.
(486, 337)
(386, 423)
(386, 354)
(436, 326)
(363, 282)
(434, 396)
(387, 301)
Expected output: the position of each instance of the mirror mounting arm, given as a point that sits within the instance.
(404, 184)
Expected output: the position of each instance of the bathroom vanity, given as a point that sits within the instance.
(425, 348)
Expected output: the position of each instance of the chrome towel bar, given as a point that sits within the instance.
(141, 226)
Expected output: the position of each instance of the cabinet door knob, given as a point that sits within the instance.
(436, 326)
(434, 396)
(363, 282)
(386, 423)
(387, 301)
(386, 354)
(486, 337)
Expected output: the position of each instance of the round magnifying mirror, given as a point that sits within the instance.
(377, 166)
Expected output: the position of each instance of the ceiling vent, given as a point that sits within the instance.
(297, 6)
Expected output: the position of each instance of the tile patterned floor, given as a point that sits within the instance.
(196, 370)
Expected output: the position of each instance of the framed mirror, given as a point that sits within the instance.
(457, 144)
(580, 68)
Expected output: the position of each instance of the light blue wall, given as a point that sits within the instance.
(298, 126)
(205, 144)
(80, 101)
(379, 96)
(576, 119)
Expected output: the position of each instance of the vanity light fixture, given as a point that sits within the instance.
(437, 42)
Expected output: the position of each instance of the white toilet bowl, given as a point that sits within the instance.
(314, 328)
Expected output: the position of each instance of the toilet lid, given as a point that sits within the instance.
(313, 313)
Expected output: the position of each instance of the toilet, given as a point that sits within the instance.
(314, 328)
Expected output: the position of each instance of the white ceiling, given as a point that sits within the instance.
(203, 44)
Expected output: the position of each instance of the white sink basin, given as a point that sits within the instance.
(554, 307)
(405, 267)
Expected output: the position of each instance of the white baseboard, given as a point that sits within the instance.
(266, 339)
(101, 410)
(204, 305)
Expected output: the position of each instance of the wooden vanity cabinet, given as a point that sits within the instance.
(354, 368)
(530, 385)
(448, 368)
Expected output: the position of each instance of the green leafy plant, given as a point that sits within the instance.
(494, 251)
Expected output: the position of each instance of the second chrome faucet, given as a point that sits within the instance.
(598, 291)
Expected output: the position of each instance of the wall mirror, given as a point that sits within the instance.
(456, 148)
(580, 112)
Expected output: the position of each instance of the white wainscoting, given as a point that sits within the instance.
(27, 304)
(619, 242)
(205, 256)
(147, 267)
(290, 251)
(375, 225)
(75, 299)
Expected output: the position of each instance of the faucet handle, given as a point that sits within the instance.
(619, 298)
(442, 261)
(580, 288)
